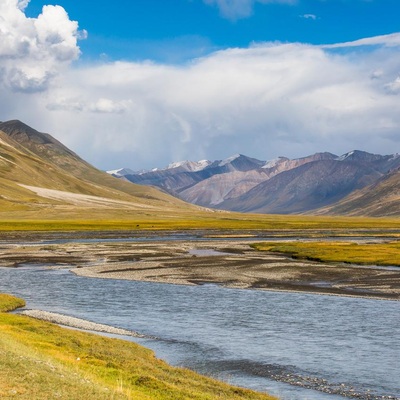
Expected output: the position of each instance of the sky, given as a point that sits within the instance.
(144, 83)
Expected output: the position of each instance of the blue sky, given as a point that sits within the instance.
(177, 30)
(143, 83)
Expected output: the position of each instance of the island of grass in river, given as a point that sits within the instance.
(338, 252)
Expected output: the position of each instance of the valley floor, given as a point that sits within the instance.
(226, 261)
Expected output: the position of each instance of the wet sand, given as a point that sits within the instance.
(230, 263)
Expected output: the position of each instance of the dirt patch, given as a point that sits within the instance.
(80, 199)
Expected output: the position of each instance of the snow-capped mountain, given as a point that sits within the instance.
(280, 185)
(121, 172)
(192, 166)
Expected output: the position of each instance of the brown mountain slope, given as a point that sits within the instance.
(304, 188)
(37, 171)
(218, 188)
(380, 199)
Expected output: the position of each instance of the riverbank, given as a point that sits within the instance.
(190, 260)
(40, 360)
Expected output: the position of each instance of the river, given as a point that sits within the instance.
(296, 346)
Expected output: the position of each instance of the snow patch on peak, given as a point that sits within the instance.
(274, 162)
(121, 172)
(192, 166)
(176, 164)
(200, 165)
(228, 160)
(344, 156)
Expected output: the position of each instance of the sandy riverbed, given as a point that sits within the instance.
(231, 263)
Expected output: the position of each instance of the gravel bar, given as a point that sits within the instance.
(78, 323)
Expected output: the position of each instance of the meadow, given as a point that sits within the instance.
(100, 220)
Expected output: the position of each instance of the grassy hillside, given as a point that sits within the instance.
(35, 159)
(40, 360)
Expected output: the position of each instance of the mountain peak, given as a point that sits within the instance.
(240, 162)
(121, 172)
(191, 166)
(359, 155)
(229, 160)
(23, 133)
(274, 162)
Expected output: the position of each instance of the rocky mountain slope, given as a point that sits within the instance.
(380, 199)
(282, 185)
(38, 173)
(304, 188)
(180, 176)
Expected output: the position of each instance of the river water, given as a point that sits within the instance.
(296, 346)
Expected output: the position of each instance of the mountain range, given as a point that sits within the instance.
(355, 183)
(41, 176)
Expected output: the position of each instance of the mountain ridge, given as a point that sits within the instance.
(240, 183)
(39, 174)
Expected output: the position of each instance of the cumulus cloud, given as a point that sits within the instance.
(34, 50)
(235, 9)
(22, 4)
(267, 100)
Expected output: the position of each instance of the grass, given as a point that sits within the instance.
(368, 254)
(40, 360)
(10, 303)
(94, 220)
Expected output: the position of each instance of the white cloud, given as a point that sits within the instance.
(267, 100)
(33, 50)
(392, 40)
(309, 16)
(108, 106)
(22, 4)
(377, 74)
(394, 87)
(79, 104)
(235, 9)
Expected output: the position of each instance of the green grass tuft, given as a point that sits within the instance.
(10, 303)
(368, 254)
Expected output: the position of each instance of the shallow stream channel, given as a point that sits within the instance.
(296, 346)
